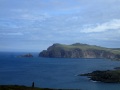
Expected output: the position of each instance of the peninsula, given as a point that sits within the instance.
(79, 50)
(107, 76)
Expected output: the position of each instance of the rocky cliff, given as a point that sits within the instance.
(79, 50)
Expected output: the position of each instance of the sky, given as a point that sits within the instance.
(34, 25)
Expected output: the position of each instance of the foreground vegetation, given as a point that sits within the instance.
(16, 87)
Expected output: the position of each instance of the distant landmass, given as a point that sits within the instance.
(26, 55)
(79, 50)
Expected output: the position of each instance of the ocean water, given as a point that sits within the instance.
(53, 72)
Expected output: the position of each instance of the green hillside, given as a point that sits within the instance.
(86, 47)
(79, 50)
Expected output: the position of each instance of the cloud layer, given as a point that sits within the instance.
(34, 25)
(111, 25)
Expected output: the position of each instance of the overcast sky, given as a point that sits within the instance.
(33, 25)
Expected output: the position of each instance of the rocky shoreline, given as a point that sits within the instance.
(107, 76)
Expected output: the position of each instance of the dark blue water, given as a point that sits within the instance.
(53, 72)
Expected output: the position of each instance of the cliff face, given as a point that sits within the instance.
(79, 51)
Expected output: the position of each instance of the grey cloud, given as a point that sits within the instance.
(111, 25)
(16, 33)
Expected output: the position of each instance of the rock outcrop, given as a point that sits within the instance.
(108, 76)
(26, 55)
(80, 51)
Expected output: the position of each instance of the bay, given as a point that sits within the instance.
(53, 72)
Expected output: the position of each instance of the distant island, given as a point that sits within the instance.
(26, 55)
(79, 50)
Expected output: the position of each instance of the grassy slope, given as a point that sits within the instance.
(16, 87)
(87, 47)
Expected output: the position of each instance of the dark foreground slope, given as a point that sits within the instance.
(80, 51)
(16, 87)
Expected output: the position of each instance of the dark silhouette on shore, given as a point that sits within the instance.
(33, 85)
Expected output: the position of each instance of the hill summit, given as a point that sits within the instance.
(79, 50)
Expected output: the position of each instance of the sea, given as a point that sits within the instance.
(57, 73)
